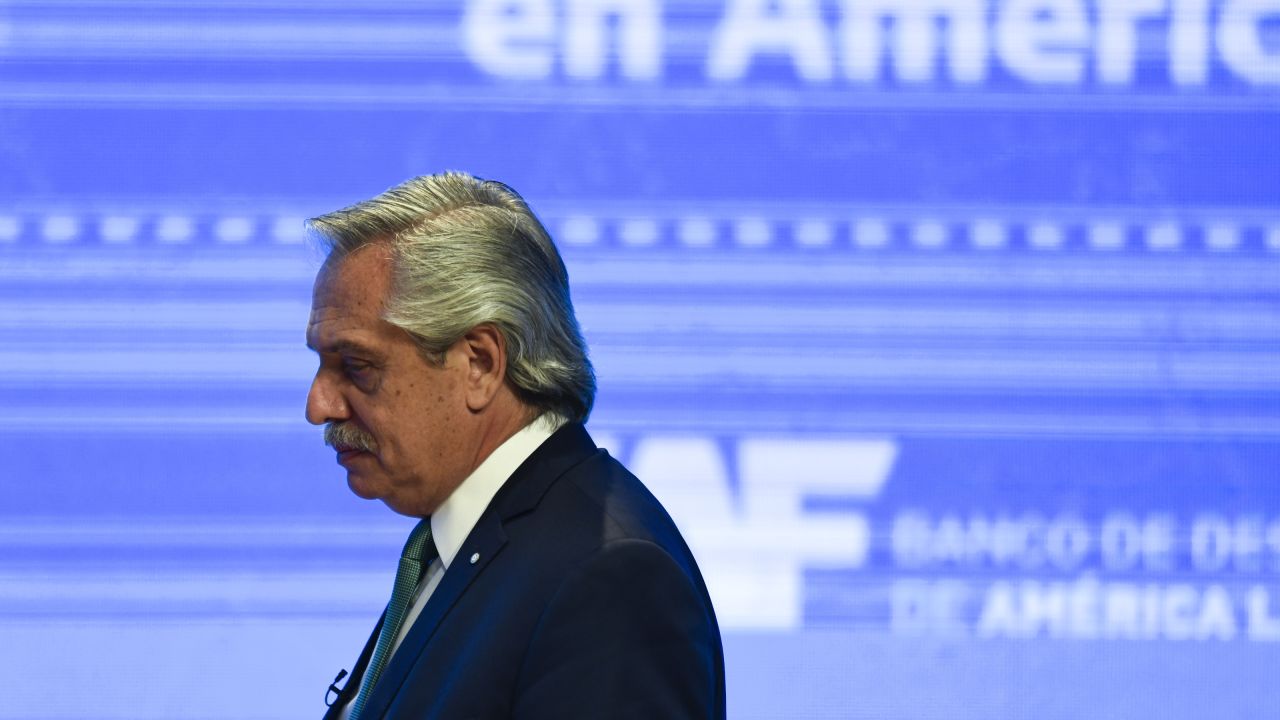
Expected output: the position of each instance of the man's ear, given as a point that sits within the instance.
(485, 351)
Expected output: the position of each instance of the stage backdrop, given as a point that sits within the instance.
(948, 330)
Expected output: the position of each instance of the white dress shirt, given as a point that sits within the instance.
(458, 514)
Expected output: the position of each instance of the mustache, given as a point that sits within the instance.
(345, 436)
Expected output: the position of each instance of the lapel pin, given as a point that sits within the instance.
(475, 557)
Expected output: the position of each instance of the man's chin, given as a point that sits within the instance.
(361, 487)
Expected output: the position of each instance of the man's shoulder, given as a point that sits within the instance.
(602, 485)
(597, 501)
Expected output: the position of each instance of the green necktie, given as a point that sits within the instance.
(419, 551)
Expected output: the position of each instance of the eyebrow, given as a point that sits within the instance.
(348, 347)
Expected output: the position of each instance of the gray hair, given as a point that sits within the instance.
(465, 252)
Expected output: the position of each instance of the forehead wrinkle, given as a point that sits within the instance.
(340, 299)
(353, 347)
(343, 345)
(382, 247)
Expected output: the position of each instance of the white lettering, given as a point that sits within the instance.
(1246, 544)
(1032, 608)
(921, 607)
(788, 27)
(1021, 541)
(1273, 544)
(1189, 42)
(1117, 43)
(1240, 40)
(639, 31)
(1158, 533)
(915, 44)
(1178, 608)
(1044, 607)
(754, 548)
(1262, 624)
(910, 539)
(777, 474)
(1121, 542)
(1066, 541)
(1210, 543)
(1217, 619)
(1152, 603)
(1028, 542)
(910, 607)
(1082, 608)
(1000, 617)
(1085, 609)
(951, 542)
(1122, 611)
(1043, 41)
(510, 38)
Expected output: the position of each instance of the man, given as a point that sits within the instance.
(544, 580)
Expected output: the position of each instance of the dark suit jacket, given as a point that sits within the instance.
(584, 602)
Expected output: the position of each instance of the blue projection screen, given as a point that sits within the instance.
(948, 331)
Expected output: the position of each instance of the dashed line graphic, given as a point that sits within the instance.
(856, 232)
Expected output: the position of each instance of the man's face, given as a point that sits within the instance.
(398, 423)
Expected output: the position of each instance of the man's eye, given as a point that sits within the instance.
(355, 368)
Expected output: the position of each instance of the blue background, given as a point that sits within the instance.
(917, 362)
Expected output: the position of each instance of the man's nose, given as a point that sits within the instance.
(324, 403)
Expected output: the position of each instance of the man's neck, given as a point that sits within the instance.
(503, 417)
(456, 516)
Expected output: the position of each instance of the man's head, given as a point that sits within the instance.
(443, 322)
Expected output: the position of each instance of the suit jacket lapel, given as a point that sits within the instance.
(486, 540)
(352, 685)
(520, 494)
(569, 446)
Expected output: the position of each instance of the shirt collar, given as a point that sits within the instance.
(457, 515)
